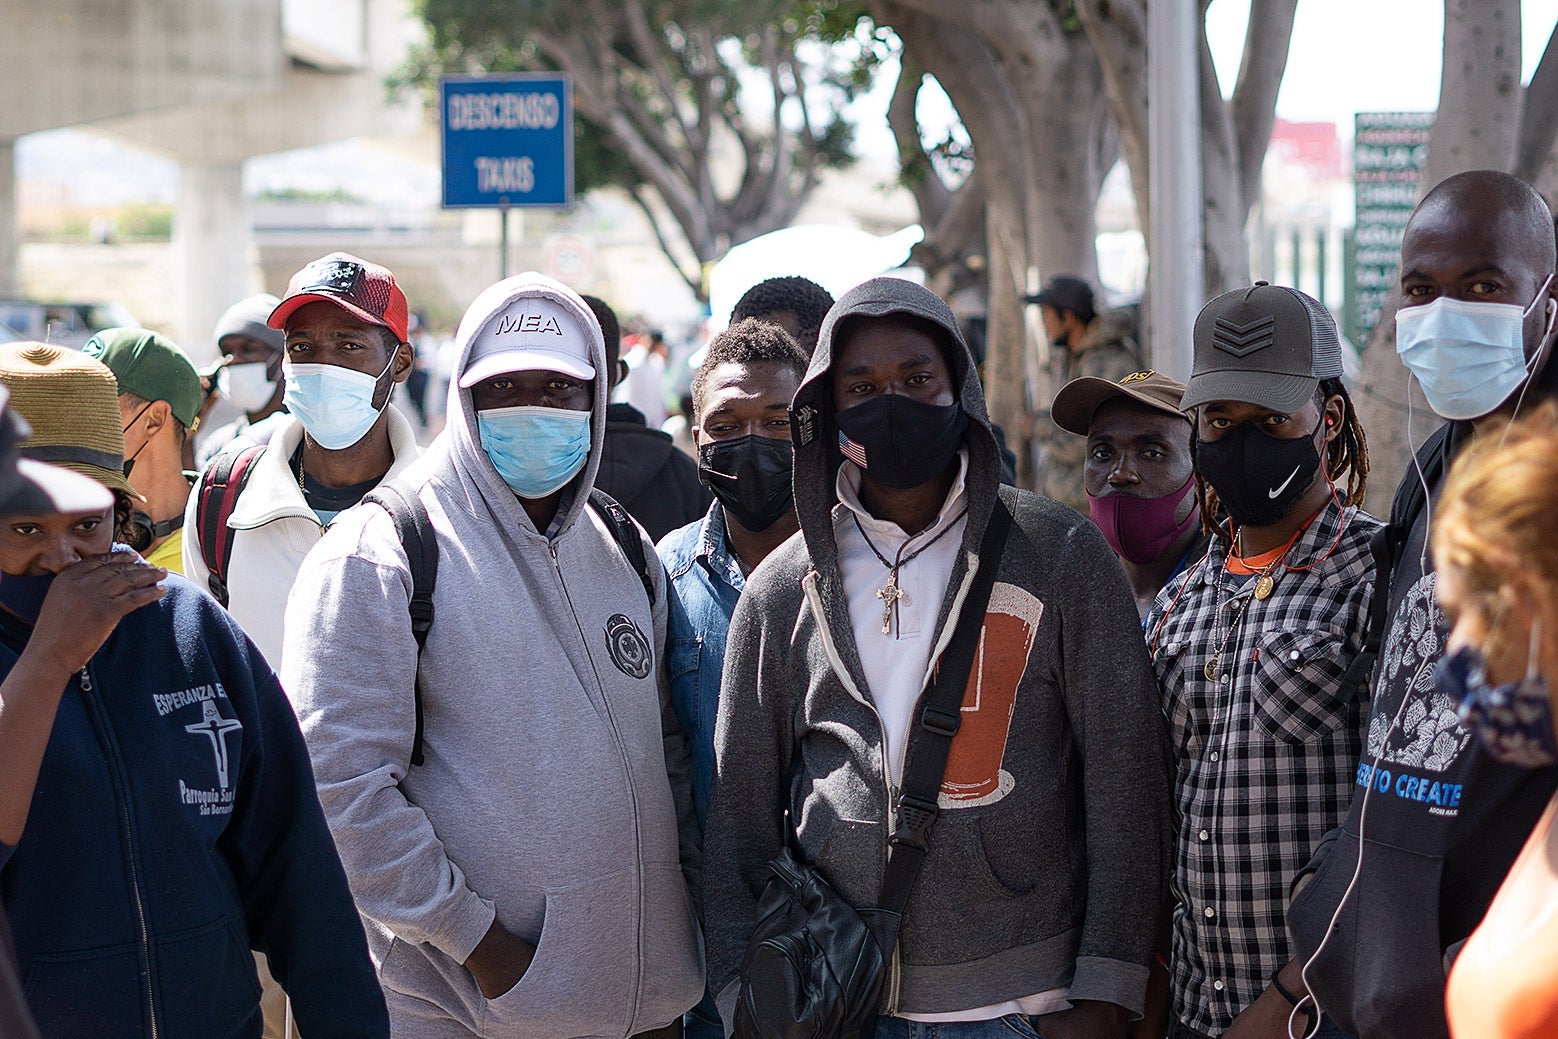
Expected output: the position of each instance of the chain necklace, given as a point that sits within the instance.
(890, 593)
(1214, 662)
(1264, 583)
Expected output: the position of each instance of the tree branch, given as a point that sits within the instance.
(1539, 117)
(652, 45)
(1267, 41)
(695, 284)
(931, 193)
(1117, 30)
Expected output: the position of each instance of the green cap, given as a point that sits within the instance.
(151, 367)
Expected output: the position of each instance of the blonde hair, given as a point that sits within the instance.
(1498, 513)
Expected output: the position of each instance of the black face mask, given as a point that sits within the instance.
(899, 441)
(1258, 477)
(750, 476)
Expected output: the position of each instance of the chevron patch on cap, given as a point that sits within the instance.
(1243, 340)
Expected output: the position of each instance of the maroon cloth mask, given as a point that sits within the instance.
(1140, 529)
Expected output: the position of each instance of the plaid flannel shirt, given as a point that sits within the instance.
(1264, 756)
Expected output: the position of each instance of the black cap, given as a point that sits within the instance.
(1267, 345)
(1065, 292)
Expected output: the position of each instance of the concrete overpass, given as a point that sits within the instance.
(208, 83)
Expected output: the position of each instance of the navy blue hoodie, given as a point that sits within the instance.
(174, 827)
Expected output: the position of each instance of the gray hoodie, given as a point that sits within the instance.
(549, 738)
(1047, 863)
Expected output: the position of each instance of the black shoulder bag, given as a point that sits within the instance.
(815, 965)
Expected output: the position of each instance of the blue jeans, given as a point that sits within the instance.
(1012, 1026)
(702, 1021)
(1328, 1030)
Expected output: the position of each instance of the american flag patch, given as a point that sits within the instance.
(852, 451)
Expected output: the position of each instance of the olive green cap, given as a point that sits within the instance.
(151, 367)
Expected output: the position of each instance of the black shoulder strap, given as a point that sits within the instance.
(1386, 546)
(625, 531)
(218, 495)
(416, 535)
(928, 750)
(1360, 672)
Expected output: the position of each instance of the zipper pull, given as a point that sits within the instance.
(86, 680)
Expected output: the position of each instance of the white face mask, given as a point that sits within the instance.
(247, 385)
(1468, 357)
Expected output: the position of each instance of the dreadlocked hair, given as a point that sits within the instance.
(1347, 455)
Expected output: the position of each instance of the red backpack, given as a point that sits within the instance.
(219, 491)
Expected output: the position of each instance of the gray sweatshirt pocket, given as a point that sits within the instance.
(581, 981)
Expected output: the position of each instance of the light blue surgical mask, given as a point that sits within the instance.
(1469, 357)
(535, 450)
(334, 404)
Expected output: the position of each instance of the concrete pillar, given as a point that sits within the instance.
(10, 226)
(211, 243)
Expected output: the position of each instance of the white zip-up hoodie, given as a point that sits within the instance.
(552, 753)
(273, 529)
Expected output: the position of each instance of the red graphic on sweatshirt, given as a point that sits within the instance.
(974, 775)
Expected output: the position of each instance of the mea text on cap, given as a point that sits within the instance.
(533, 333)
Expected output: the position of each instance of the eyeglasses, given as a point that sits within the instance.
(334, 276)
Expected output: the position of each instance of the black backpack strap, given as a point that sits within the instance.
(625, 531)
(939, 720)
(415, 531)
(1387, 544)
(1360, 672)
(218, 496)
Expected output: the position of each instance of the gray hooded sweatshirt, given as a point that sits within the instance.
(1047, 863)
(556, 791)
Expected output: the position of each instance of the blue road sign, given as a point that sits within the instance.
(508, 140)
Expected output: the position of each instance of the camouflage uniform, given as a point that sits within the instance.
(1106, 352)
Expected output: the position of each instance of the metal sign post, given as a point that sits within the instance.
(1175, 285)
(503, 241)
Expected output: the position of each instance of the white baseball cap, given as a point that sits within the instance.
(533, 333)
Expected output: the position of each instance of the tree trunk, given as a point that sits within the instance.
(1031, 98)
(967, 70)
(1476, 128)
(1234, 132)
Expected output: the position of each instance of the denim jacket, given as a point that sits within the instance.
(705, 582)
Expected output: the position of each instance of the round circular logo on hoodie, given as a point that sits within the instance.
(628, 648)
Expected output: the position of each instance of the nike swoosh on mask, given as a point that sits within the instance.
(1272, 494)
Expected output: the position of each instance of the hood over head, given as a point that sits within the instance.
(571, 335)
(815, 434)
